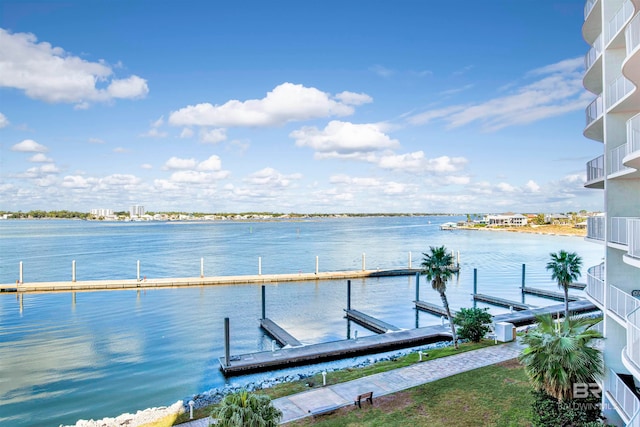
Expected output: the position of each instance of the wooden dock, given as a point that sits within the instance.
(501, 302)
(369, 322)
(283, 337)
(576, 285)
(151, 283)
(322, 352)
(432, 308)
(558, 296)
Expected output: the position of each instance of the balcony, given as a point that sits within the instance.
(620, 88)
(631, 64)
(618, 232)
(617, 22)
(616, 161)
(633, 242)
(595, 228)
(594, 127)
(621, 303)
(623, 397)
(595, 284)
(631, 353)
(588, 7)
(632, 159)
(595, 173)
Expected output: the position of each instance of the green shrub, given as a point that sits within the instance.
(473, 323)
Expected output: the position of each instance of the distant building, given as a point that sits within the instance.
(136, 211)
(516, 220)
(102, 212)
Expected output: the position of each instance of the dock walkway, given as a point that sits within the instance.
(146, 283)
(428, 307)
(501, 302)
(369, 322)
(559, 296)
(283, 337)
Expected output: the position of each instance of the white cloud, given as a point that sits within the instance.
(76, 181)
(532, 187)
(557, 90)
(287, 102)
(4, 122)
(416, 162)
(50, 74)
(96, 141)
(154, 133)
(212, 136)
(343, 139)
(506, 188)
(213, 163)
(381, 71)
(29, 146)
(146, 166)
(40, 158)
(186, 133)
(351, 98)
(272, 178)
(178, 163)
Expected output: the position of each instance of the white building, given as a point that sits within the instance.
(136, 211)
(102, 212)
(516, 220)
(612, 28)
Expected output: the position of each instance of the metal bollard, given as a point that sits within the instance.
(191, 403)
(324, 378)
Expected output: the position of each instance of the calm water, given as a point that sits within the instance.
(99, 354)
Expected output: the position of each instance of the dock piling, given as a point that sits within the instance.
(138, 269)
(409, 260)
(21, 273)
(364, 261)
(259, 266)
(73, 270)
(264, 310)
(417, 286)
(201, 267)
(348, 294)
(523, 285)
(317, 263)
(227, 355)
(475, 281)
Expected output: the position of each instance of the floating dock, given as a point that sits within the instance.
(432, 308)
(316, 353)
(283, 337)
(559, 296)
(150, 283)
(371, 323)
(577, 285)
(501, 302)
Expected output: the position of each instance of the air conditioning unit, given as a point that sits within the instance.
(505, 331)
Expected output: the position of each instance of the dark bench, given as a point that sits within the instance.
(364, 396)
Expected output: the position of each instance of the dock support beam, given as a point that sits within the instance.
(475, 281)
(227, 352)
(348, 294)
(264, 311)
(73, 270)
(417, 286)
(522, 288)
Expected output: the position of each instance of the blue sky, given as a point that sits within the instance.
(289, 106)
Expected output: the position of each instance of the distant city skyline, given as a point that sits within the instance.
(294, 107)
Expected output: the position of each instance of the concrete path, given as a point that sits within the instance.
(303, 404)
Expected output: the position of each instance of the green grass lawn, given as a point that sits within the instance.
(497, 395)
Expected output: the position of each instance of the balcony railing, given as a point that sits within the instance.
(633, 338)
(618, 232)
(621, 303)
(620, 88)
(595, 227)
(615, 156)
(594, 110)
(595, 283)
(595, 169)
(633, 133)
(633, 238)
(588, 7)
(632, 35)
(618, 21)
(594, 53)
(622, 395)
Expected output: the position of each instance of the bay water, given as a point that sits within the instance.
(88, 355)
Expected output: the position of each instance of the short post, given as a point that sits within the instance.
(138, 264)
(458, 259)
(317, 262)
(475, 281)
(73, 298)
(201, 267)
(511, 309)
(324, 378)
(191, 403)
(420, 355)
(417, 286)
(442, 320)
(273, 345)
(259, 266)
(227, 355)
(409, 260)
(364, 261)
(73, 270)
(21, 273)
(264, 311)
(348, 294)
(355, 334)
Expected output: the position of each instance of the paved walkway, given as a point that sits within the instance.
(303, 404)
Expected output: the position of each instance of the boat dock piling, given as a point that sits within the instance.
(375, 325)
(274, 330)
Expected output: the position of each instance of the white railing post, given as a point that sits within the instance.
(138, 269)
(21, 273)
(317, 263)
(73, 270)
(364, 257)
(201, 267)
(259, 266)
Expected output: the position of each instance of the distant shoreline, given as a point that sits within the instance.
(550, 230)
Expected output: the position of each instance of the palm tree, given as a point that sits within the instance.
(246, 409)
(565, 269)
(437, 267)
(559, 355)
